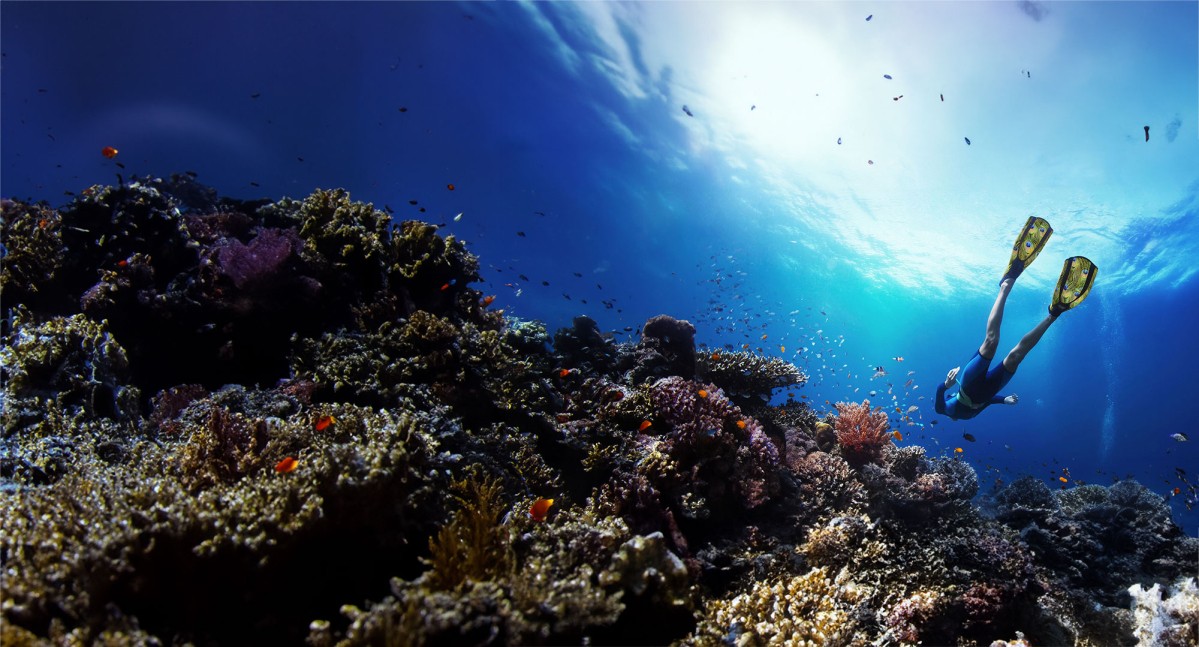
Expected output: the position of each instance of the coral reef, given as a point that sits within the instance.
(232, 422)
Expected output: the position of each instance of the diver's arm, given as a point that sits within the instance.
(939, 404)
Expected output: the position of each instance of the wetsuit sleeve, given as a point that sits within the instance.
(939, 405)
(996, 399)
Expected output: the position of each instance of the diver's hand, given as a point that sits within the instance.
(952, 376)
(1011, 399)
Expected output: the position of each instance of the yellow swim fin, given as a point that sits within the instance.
(1029, 243)
(1078, 274)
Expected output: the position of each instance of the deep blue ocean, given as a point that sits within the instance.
(837, 184)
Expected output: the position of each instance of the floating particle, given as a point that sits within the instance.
(869, 17)
(521, 234)
(403, 109)
(255, 95)
(1146, 133)
(838, 141)
(753, 107)
(887, 77)
(967, 140)
(870, 162)
(688, 111)
(942, 97)
(897, 98)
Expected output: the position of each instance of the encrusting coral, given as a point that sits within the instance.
(257, 422)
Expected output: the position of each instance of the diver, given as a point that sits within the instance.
(979, 384)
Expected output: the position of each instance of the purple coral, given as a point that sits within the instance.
(261, 260)
(710, 437)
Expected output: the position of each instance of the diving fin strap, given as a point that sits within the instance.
(1029, 243)
(1078, 274)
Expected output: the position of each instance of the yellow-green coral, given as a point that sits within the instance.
(474, 545)
(747, 373)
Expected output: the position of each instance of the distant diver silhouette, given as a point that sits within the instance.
(979, 384)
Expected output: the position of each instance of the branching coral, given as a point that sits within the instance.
(1168, 617)
(474, 545)
(862, 434)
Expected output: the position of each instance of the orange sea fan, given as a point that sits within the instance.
(861, 433)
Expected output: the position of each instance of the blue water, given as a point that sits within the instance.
(565, 122)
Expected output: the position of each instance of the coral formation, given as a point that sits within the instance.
(233, 422)
(861, 433)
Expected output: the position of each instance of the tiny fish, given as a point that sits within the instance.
(450, 187)
(645, 424)
(255, 95)
(741, 424)
(688, 111)
(838, 141)
(109, 152)
(486, 301)
(897, 98)
(540, 508)
(521, 234)
(1180, 437)
(286, 465)
(564, 372)
(969, 437)
(942, 97)
(869, 17)
(958, 450)
(703, 393)
(1063, 479)
(887, 76)
(898, 359)
(1147, 133)
(458, 217)
(324, 422)
(897, 435)
(967, 140)
(913, 409)
(870, 162)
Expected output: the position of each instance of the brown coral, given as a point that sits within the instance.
(862, 434)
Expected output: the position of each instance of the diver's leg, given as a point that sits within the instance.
(991, 341)
(1029, 340)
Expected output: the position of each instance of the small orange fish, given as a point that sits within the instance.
(744, 346)
(958, 450)
(765, 336)
(445, 287)
(540, 508)
(645, 424)
(896, 435)
(323, 422)
(1177, 491)
(715, 356)
(564, 372)
(1063, 479)
(741, 424)
(487, 301)
(286, 465)
(450, 187)
(782, 348)
(123, 263)
(703, 393)
(109, 152)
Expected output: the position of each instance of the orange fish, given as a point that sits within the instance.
(109, 152)
(564, 372)
(764, 336)
(957, 450)
(703, 393)
(445, 287)
(1063, 479)
(540, 508)
(715, 356)
(486, 301)
(286, 465)
(1177, 491)
(741, 424)
(896, 435)
(450, 187)
(323, 422)
(645, 424)
(782, 349)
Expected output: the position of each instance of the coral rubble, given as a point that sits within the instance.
(231, 422)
